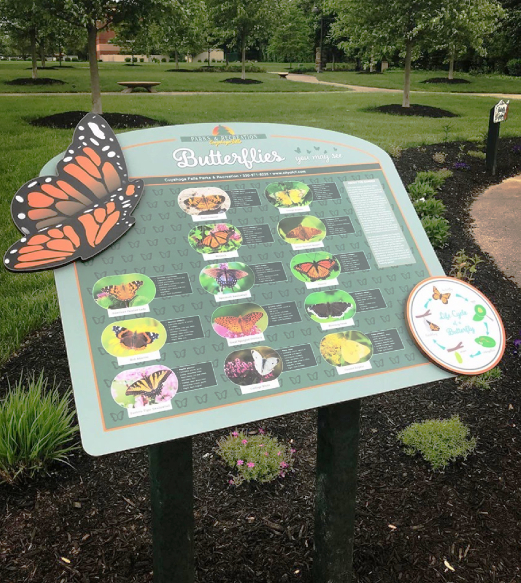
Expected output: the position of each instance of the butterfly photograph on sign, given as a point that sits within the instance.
(203, 201)
(133, 337)
(346, 348)
(143, 387)
(218, 238)
(227, 278)
(289, 194)
(117, 292)
(81, 210)
(252, 366)
(239, 320)
(313, 267)
(301, 230)
(330, 306)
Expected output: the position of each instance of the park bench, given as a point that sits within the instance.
(283, 75)
(131, 85)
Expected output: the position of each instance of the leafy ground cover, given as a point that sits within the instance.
(76, 79)
(91, 522)
(393, 79)
(29, 301)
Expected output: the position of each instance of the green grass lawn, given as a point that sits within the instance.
(394, 80)
(28, 301)
(76, 79)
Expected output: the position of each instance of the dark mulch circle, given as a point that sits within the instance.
(179, 70)
(91, 522)
(414, 110)
(240, 81)
(132, 65)
(369, 73)
(121, 121)
(39, 81)
(445, 81)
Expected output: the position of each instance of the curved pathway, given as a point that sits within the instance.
(497, 224)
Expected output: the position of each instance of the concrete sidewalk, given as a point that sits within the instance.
(497, 226)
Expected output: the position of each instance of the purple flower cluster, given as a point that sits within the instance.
(238, 368)
(461, 166)
(517, 345)
(516, 149)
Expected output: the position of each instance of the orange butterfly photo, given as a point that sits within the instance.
(116, 292)
(133, 337)
(81, 210)
(312, 267)
(437, 295)
(301, 230)
(218, 238)
(239, 320)
(203, 201)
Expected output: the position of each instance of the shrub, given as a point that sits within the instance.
(127, 59)
(164, 60)
(35, 428)
(141, 59)
(75, 59)
(418, 190)
(464, 267)
(481, 381)
(430, 207)
(439, 157)
(255, 457)
(437, 230)
(439, 441)
(434, 178)
(67, 59)
(514, 67)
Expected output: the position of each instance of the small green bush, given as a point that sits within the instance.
(164, 60)
(481, 381)
(127, 59)
(141, 59)
(437, 229)
(514, 67)
(255, 457)
(418, 190)
(430, 207)
(439, 441)
(35, 428)
(464, 266)
(434, 178)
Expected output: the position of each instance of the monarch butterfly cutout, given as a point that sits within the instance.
(150, 385)
(79, 212)
(124, 293)
(317, 270)
(134, 340)
(436, 295)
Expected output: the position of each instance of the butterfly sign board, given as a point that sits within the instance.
(265, 270)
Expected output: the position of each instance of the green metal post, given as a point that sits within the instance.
(337, 457)
(171, 488)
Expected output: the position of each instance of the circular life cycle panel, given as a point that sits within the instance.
(455, 325)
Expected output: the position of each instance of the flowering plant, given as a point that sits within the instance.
(461, 166)
(255, 457)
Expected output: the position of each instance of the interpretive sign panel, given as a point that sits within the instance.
(267, 272)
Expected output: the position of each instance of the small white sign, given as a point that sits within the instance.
(245, 340)
(501, 111)
(319, 284)
(214, 256)
(124, 360)
(260, 387)
(334, 325)
(149, 409)
(214, 217)
(294, 209)
(350, 368)
(300, 246)
(128, 311)
(220, 297)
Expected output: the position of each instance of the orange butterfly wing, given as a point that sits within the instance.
(124, 292)
(203, 202)
(317, 270)
(303, 233)
(215, 240)
(439, 296)
(91, 195)
(240, 324)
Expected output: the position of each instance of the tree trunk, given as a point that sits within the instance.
(176, 59)
(42, 54)
(209, 52)
(371, 62)
(407, 81)
(451, 63)
(243, 57)
(60, 54)
(34, 65)
(333, 62)
(92, 32)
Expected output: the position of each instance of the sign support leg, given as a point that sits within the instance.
(171, 489)
(335, 499)
(492, 143)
